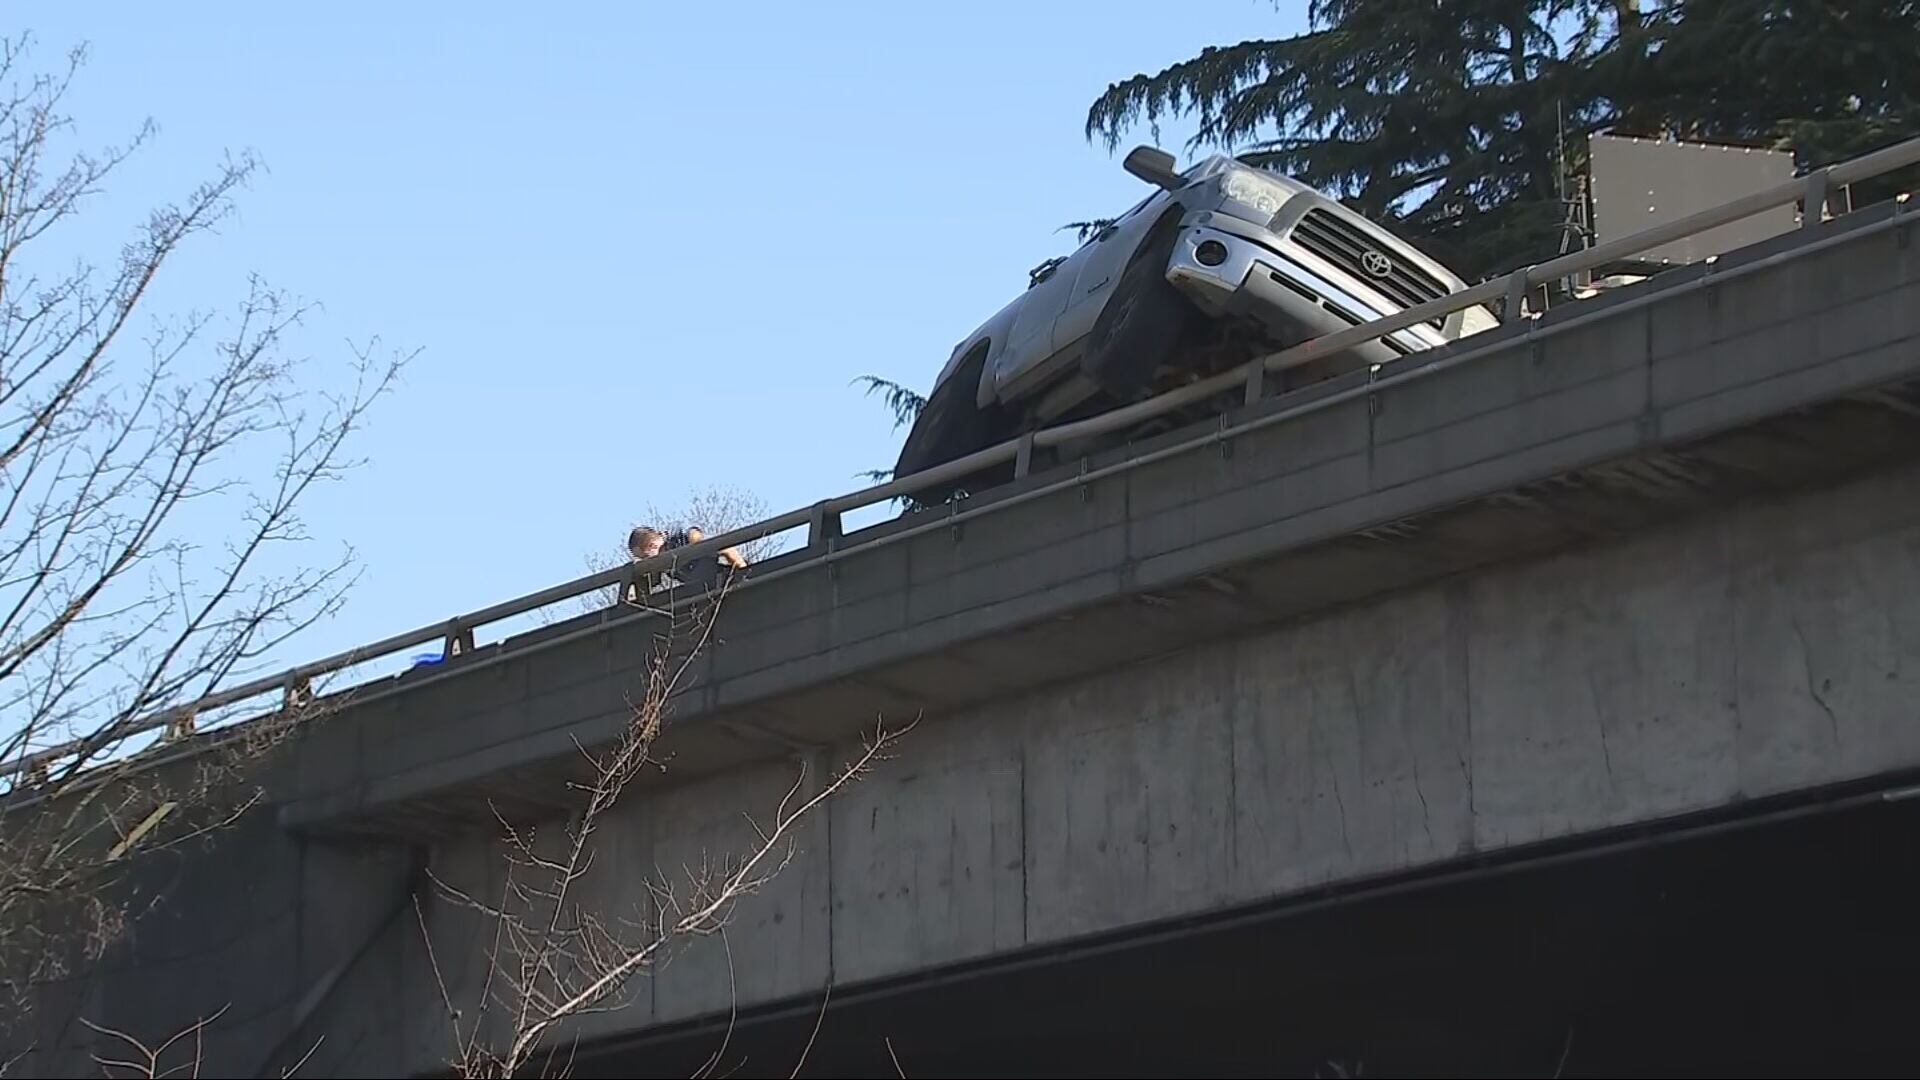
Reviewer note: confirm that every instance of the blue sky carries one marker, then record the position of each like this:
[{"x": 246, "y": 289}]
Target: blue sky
[{"x": 640, "y": 247}]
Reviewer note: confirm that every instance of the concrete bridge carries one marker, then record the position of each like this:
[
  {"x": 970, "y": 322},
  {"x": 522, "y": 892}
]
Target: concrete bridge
[{"x": 1376, "y": 717}]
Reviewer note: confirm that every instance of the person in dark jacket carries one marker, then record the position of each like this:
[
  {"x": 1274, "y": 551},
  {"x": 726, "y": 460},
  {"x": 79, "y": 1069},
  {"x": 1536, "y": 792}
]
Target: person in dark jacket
[{"x": 704, "y": 572}]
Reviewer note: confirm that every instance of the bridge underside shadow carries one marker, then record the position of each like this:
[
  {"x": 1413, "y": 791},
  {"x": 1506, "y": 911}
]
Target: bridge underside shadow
[{"x": 1775, "y": 946}]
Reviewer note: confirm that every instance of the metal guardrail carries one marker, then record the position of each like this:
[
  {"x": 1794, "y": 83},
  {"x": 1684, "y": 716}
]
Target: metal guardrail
[{"x": 822, "y": 519}]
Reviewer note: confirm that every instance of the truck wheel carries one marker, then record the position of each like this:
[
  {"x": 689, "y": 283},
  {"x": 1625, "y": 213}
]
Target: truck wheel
[
  {"x": 1143, "y": 323},
  {"x": 950, "y": 426}
]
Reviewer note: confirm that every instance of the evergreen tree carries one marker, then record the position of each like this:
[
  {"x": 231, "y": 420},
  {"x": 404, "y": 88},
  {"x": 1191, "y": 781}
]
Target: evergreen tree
[
  {"x": 1444, "y": 119},
  {"x": 1439, "y": 118},
  {"x": 1829, "y": 79}
]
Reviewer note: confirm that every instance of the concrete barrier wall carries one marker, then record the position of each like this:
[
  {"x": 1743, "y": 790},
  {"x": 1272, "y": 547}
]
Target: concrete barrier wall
[
  {"x": 953, "y": 616},
  {"x": 1757, "y": 652}
]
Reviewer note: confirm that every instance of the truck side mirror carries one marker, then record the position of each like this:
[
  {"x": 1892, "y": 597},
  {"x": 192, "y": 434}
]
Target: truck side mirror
[{"x": 1155, "y": 166}]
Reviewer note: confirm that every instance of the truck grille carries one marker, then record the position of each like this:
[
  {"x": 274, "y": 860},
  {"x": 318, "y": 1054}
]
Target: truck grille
[{"x": 1342, "y": 243}]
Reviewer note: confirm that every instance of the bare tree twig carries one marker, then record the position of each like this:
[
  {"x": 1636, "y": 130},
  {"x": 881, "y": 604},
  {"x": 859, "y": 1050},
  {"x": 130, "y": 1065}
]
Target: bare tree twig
[
  {"x": 819, "y": 1019},
  {"x": 719, "y": 1054},
  {"x": 304, "y": 1058},
  {"x": 147, "y": 1060}
]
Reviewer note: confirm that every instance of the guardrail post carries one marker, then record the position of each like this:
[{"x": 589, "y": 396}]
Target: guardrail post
[
  {"x": 1814, "y": 201},
  {"x": 1023, "y": 457},
  {"x": 459, "y": 640},
  {"x": 1256, "y": 379},
  {"x": 1517, "y": 286},
  {"x": 823, "y": 526},
  {"x": 296, "y": 694}
]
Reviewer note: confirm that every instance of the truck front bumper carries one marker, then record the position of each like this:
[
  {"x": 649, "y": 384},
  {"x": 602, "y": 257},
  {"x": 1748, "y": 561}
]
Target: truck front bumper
[{"x": 1284, "y": 291}]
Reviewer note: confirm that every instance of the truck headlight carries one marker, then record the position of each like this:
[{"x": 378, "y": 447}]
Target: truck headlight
[{"x": 1250, "y": 188}]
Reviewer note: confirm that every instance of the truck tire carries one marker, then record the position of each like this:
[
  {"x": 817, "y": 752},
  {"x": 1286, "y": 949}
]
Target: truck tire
[
  {"x": 1143, "y": 323},
  {"x": 951, "y": 426}
]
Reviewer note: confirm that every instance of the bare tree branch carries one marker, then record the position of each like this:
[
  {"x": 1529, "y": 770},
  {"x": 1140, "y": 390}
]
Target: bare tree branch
[
  {"x": 553, "y": 956},
  {"x": 152, "y": 549}
]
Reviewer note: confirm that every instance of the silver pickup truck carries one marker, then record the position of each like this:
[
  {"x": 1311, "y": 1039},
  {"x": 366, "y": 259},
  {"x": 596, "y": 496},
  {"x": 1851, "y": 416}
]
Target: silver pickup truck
[{"x": 1220, "y": 263}]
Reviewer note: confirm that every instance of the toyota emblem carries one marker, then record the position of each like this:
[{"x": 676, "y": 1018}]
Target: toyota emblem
[{"x": 1376, "y": 264}]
